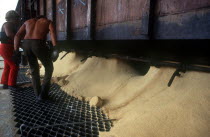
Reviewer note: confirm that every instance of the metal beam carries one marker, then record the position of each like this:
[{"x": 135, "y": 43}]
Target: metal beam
[
  {"x": 91, "y": 19},
  {"x": 38, "y": 8},
  {"x": 151, "y": 24},
  {"x": 24, "y": 15},
  {"x": 89, "y": 29},
  {"x": 54, "y": 12},
  {"x": 68, "y": 20},
  {"x": 45, "y": 7}
]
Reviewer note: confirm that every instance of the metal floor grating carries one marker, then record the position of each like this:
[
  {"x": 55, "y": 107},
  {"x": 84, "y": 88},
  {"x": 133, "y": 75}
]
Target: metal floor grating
[{"x": 60, "y": 109}]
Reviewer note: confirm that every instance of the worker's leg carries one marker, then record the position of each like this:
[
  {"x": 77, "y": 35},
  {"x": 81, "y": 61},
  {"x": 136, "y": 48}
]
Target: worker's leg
[
  {"x": 43, "y": 54},
  {"x": 33, "y": 63},
  {"x": 10, "y": 72},
  {"x": 13, "y": 73},
  {"x": 47, "y": 77}
]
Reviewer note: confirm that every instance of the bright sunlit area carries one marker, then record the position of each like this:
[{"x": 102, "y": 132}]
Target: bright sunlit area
[{"x": 6, "y": 5}]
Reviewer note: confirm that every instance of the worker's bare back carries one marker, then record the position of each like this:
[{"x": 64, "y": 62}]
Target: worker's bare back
[{"x": 37, "y": 28}]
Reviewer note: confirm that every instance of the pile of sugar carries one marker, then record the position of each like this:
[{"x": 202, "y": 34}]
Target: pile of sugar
[{"x": 143, "y": 105}]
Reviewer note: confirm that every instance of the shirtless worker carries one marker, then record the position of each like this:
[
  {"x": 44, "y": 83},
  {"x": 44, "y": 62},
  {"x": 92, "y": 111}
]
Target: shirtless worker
[{"x": 34, "y": 32}]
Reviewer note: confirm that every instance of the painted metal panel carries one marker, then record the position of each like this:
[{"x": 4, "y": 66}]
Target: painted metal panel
[
  {"x": 80, "y": 34},
  {"x": 177, "y": 6},
  {"x": 78, "y": 14},
  {"x": 114, "y": 11},
  {"x": 122, "y": 19},
  {"x": 125, "y": 30},
  {"x": 49, "y": 9},
  {"x": 190, "y": 25},
  {"x": 41, "y": 6},
  {"x": 61, "y": 19}
]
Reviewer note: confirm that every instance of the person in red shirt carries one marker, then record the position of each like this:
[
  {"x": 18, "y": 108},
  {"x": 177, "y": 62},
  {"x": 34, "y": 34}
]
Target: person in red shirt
[{"x": 8, "y": 31}]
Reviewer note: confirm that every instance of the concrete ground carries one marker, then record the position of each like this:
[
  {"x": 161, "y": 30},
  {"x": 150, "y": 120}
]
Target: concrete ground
[{"x": 7, "y": 124}]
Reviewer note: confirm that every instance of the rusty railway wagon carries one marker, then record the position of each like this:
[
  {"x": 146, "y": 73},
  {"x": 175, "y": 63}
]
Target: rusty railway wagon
[{"x": 148, "y": 22}]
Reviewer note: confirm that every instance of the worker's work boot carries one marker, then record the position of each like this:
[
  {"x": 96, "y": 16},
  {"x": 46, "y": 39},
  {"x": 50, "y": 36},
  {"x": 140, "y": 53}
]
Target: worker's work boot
[
  {"x": 39, "y": 99},
  {"x": 5, "y": 86},
  {"x": 44, "y": 92},
  {"x": 43, "y": 96}
]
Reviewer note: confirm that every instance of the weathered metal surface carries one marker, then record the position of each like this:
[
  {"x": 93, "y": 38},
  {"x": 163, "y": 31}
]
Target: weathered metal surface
[
  {"x": 80, "y": 34},
  {"x": 176, "y": 6},
  {"x": 125, "y": 30},
  {"x": 115, "y": 11},
  {"x": 127, "y": 19},
  {"x": 49, "y": 8},
  {"x": 61, "y": 19},
  {"x": 191, "y": 25},
  {"x": 41, "y": 7},
  {"x": 78, "y": 14},
  {"x": 61, "y": 36},
  {"x": 61, "y": 15}
]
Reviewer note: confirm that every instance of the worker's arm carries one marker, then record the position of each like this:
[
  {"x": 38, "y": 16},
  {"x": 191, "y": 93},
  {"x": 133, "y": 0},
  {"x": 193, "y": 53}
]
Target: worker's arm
[
  {"x": 19, "y": 35},
  {"x": 53, "y": 34},
  {"x": 8, "y": 30}
]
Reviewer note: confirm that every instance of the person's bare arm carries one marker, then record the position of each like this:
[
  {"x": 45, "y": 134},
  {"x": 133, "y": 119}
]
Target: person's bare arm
[
  {"x": 19, "y": 35},
  {"x": 53, "y": 34},
  {"x": 8, "y": 30}
]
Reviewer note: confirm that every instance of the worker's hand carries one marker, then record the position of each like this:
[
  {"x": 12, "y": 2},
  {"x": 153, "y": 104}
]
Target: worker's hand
[
  {"x": 16, "y": 57},
  {"x": 55, "y": 53}
]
